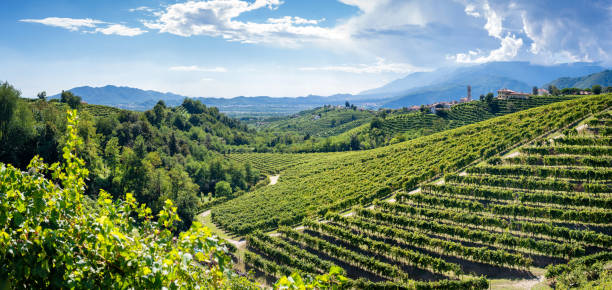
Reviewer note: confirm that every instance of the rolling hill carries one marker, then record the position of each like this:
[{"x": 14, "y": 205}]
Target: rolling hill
[
  {"x": 338, "y": 181},
  {"x": 603, "y": 79}
]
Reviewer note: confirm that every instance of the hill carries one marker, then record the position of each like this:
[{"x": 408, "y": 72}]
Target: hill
[
  {"x": 442, "y": 84},
  {"x": 392, "y": 126},
  {"x": 506, "y": 218},
  {"x": 122, "y": 97},
  {"x": 338, "y": 181},
  {"x": 321, "y": 122},
  {"x": 603, "y": 79}
]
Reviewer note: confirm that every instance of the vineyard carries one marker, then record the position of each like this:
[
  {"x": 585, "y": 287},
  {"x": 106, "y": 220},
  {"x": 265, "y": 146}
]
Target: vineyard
[
  {"x": 416, "y": 124},
  {"x": 540, "y": 205},
  {"x": 321, "y": 122},
  {"x": 272, "y": 163},
  {"x": 338, "y": 181}
]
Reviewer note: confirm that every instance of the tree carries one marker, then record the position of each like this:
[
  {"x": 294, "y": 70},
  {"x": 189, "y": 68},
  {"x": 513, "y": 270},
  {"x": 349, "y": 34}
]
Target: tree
[
  {"x": 489, "y": 98},
  {"x": 482, "y": 97},
  {"x": 596, "y": 89},
  {"x": 42, "y": 95},
  {"x": 223, "y": 188},
  {"x": 355, "y": 144},
  {"x": 71, "y": 99},
  {"x": 424, "y": 109},
  {"x": 534, "y": 91},
  {"x": 347, "y": 104},
  {"x": 8, "y": 103},
  {"x": 553, "y": 90}
]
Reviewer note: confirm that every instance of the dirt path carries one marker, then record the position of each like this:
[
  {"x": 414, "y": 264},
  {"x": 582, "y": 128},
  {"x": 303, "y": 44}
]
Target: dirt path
[
  {"x": 206, "y": 213},
  {"x": 273, "y": 179},
  {"x": 513, "y": 154}
]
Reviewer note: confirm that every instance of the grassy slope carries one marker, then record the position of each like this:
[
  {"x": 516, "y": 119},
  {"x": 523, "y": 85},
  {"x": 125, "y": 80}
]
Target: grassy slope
[
  {"x": 320, "y": 122},
  {"x": 340, "y": 180}
]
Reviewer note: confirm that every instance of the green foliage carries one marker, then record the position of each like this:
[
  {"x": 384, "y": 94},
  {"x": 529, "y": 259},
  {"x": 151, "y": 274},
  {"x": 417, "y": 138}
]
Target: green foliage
[
  {"x": 223, "y": 188},
  {"x": 71, "y": 99},
  {"x": 50, "y": 238},
  {"x": 333, "y": 280},
  {"x": 338, "y": 181},
  {"x": 589, "y": 272},
  {"x": 596, "y": 89}
]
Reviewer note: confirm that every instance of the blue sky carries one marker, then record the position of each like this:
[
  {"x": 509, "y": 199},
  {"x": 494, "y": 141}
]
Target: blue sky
[{"x": 227, "y": 48}]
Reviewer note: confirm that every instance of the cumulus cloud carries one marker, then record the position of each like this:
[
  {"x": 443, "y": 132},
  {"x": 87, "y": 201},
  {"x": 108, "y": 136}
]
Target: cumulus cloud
[
  {"x": 71, "y": 24},
  {"x": 509, "y": 48},
  {"x": 195, "y": 68},
  {"x": 381, "y": 66},
  {"x": 543, "y": 31},
  {"x": 217, "y": 18},
  {"x": 87, "y": 25}
]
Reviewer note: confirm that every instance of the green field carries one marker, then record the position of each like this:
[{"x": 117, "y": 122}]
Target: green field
[{"x": 339, "y": 181}]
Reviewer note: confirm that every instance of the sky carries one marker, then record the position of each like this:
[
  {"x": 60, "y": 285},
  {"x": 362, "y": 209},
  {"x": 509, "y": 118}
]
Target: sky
[{"x": 228, "y": 48}]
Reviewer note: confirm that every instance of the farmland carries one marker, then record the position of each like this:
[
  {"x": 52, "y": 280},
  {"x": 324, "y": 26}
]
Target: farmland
[
  {"x": 501, "y": 218},
  {"x": 338, "y": 181}
]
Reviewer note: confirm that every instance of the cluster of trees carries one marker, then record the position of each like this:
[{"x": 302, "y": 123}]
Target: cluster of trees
[
  {"x": 595, "y": 90},
  {"x": 54, "y": 236},
  {"x": 163, "y": 153}
]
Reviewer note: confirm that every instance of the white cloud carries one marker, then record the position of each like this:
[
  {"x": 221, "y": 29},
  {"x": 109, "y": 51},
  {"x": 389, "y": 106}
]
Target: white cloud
[
  {"x": 119, "y": 29},
  {"x": 86, "y": 25},
  {"x": 509, "y": 49},
  {"x": 216, "y": 18},
  {"x": 294, "y": 20},
  {"x": 379, "y": 67},
  {"x": 142, "y": 9},
  {"x": 71, "y": 24},
  {"x": 195, "y": 68}
]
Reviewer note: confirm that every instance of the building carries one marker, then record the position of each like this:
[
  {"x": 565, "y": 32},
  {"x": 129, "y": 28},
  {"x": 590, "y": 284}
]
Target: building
[
  {"x": 543, "y": 92},
  {"x": 505, "y": 94},
  {"x": 585, "y": 93}
]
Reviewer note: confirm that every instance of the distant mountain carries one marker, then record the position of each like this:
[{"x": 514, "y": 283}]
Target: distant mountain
[
  {"x": 450, "y": 83},
  {"x": 140, "y": 100},
  {"x": 456, "y": 89},
  {"x": 603, "y": 79},
  {"x": 121, "y": 97}
]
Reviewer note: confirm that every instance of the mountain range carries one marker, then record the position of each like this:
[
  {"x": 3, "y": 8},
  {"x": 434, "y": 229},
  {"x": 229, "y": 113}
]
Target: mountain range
[
  {"x": 418, "y": 88},
  {"x": 451, "y": 83}
]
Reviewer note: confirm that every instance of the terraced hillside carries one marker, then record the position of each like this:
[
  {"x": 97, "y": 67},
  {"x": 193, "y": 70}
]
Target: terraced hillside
[
  {"x": 416, "y": 124},
  {"x": 395, "y": 126},
  {"x": 544, "y": 203},
  {"x": 338, "y": 181}
]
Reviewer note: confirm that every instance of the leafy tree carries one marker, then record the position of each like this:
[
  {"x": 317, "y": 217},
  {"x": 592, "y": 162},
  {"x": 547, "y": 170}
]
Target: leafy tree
[
  {"x": 355, "y": 144},
  {"x": 8, "y": 103},
  {"x": 71, "y": 99},
  {"x": 596, "y": 89},
  {"x": 51, "y": 238},
  {"x": 553, "y": 90},
  {"x": 489, "y": 97},
  {"x": 42, "y": 95},
  {"x": 376, "y": 123},
  {"x": 347, "y": 104},
  {"x": 534, "y": 91},
  {"x": 223, "y": 188},
  {"x": 482, "y": 97}
]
